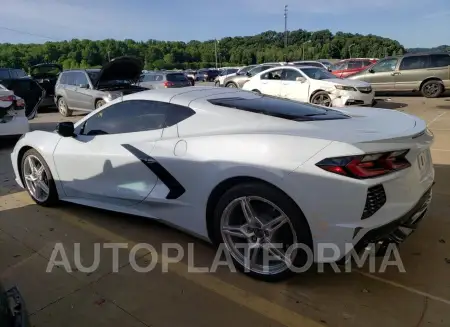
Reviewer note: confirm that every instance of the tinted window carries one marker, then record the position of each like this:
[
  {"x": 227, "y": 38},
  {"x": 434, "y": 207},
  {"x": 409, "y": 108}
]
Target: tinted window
[
  {"x": 149, "y": 78},
  {"x": 80, "y": 78},
  {"x": 273, "y": 74},
  {"x": 19, "y": 73},
  {"x": 313, "y": 64},
  {"x": 259, "y": 69},
  {"x": 355, "y": 64},
  {"x": 317, "y": 73},
  {"x": 176, "y": 77},
  {"x": 135, "y": 116},
  {"x": 4, "y": 73},
  {"x": 414, "y": 62},
  {"x": 93, "y": 74},
  {"x": 439, "y": 60},
  {"x": 68, "y": 78},
  {"x": 281, "y": 108},
  {"x": 387, "y": 65},
  {"x": 367, "y": 63},
  {"x": 340, "y": 66},
  {"x": 290, "y": 75}
]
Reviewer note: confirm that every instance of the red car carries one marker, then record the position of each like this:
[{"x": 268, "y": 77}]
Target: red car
[{"x": 349, "y": 67}]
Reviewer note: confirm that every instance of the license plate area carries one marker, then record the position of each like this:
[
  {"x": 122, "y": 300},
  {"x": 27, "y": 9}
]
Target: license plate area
[{"x": 423, "y": 160}]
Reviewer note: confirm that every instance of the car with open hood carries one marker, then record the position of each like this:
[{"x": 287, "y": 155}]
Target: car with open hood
[
  {"x": 46, "y": 74},
  {"x": 89, "y": 89}
]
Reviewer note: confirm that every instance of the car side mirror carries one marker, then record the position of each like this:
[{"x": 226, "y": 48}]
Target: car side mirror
[
  {"x": 300, "y": 79},
  {"x": 330, "y": 70},
  {"x": 83, "y": 86},
  {"x": 248, "y": 74},
  {"x": 371, "y": 71},
  {"x": 65, "y": 129}
]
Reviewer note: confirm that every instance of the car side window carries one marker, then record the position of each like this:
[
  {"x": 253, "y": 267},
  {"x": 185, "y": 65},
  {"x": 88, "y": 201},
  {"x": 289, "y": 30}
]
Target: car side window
[
  {"x": 366, "y": 63},
  {"x": 70, "y": 78},
  {"x": 272, "y": 75},
  {"x": 355, "y": 64},
  {"x": 135, "y": 116},
  {"x": 439, "y": 60},
  {"x": 387, "y": 65},
  {"x": 341, "y": 66},
  {"x": 414, "y": 62},
  {"x": 20, "y": 73},
  {"x": 80, "y": 79},
  {"x": 290, "y": 75}
]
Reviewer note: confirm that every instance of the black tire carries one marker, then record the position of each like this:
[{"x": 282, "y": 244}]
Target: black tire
[
  {"x": 217, "y": 84},
  {"x": 99, "y": 103},
  {"x": 432, "y": 89},
  {"x": 232, "y": 85},
  {"x": 63, "y": 108},
  {"x": 256, "y": 91},
  {"x": 316, "y": 97},
  {"x": 286, "y": 204},
  {"x": 53, "y": 198}
]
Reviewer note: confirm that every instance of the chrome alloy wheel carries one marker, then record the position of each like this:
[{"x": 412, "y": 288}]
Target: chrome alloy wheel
[
  {"x": 258, "y": 235},
  {"x": 62, "y": 107},
  {"x": 36, "y": 178}
]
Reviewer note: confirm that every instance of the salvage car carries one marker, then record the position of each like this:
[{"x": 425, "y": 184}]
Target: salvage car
[
  {"x": 46, "y": 75},
  {"x": 88, "y": 89},
  {"x": 428, "y": 73},
  {"x": 311, "y": 84},
  {"x": 261, "y": 175},
  {"x": 13, "y": 119},
  {"x": 23, "y": 86},
  {"x": 236, "y": 81}
]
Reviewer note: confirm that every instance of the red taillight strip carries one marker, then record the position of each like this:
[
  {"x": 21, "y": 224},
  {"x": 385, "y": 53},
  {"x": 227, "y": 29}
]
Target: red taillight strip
[{"x": 358, "y": 167}]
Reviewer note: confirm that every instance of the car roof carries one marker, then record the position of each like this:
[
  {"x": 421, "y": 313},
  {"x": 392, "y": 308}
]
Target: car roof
[{"x": 185, "y": 95}]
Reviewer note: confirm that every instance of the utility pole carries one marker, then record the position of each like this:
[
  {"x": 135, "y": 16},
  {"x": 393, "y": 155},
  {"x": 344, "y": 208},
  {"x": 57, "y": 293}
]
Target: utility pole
[
  {"x": 215, "y": 49},
  {"x": 350, "y": 50},
  {"x": 109, "y": 56},
  {"x": 285, "y": 26}
]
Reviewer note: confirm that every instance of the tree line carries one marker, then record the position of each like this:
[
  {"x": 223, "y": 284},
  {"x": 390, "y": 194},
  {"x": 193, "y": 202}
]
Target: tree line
[{"x": 231, "y": 51}]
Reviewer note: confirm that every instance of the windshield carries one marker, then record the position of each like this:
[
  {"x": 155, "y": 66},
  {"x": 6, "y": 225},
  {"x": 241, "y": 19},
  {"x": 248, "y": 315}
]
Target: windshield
[
  {"x": 94, "y": 74},
  {"x": 45, "y": 70},
  {"x": 317, "y": 73},
  {"x": 179, "y": 77}
]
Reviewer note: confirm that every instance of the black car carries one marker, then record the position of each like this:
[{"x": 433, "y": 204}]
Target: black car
[
  {"x": 207, "y": 75},
  {"x": 13, "y": 312},
  {"x": 23, "y": 86},
  {"x": 46, "y": 75}
]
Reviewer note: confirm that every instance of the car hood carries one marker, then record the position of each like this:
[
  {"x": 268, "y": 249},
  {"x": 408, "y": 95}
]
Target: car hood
[
  {"x": 124, "y": 68},
  {"x": 347, "y": 82},
  {"x": 45, "y": 70}
]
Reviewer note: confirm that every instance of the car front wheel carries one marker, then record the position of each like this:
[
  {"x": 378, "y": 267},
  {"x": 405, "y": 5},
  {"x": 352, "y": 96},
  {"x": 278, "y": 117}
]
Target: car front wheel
[
  {"x": 38, "y": 179},
  {"x": 263, "y": 230}
]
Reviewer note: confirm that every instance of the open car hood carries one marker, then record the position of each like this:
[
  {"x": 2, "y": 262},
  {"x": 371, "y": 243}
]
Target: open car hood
[
  {"x": 124, "y": 68},
  {"x": 45, "y": 70}
]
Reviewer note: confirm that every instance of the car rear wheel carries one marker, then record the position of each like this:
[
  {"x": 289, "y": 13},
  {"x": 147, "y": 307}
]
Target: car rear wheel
[
  {"x": 321, "y": 98},
  {"x": 63, "y": 108},
  {"x": 256, "y": 91},
  {"x": 38, "y": 179},
  {"x": 99, "y": 103},
  {"x": 432, "y": 89},
  {"x": 263, "y": 230},
  {"x": 233, "y": 85}
]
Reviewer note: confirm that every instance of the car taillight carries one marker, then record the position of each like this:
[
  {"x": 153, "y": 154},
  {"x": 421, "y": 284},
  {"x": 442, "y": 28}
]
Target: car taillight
[
  {"x": 367, "y": 166},
  {"x": 8, "y": 98},
  {"x": 168, "y": 84},
  {"x": 20, "y": 103}
]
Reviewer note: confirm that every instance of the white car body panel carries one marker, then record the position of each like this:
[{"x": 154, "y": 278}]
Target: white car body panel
[
  {"x": 14, "y": 122},
  {"x": 302, "y": 91},
  {"x": 219, "y": 143}
]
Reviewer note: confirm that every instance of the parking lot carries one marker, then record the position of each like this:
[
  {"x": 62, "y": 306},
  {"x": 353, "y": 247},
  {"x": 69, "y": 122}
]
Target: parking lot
[{"x": 179, "y": 297}]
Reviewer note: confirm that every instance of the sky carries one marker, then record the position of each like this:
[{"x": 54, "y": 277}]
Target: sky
[{"x": 414, "y": 23}]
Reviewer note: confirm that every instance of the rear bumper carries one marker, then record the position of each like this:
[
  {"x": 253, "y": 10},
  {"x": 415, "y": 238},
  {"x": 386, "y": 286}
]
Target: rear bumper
[
  {"x": 17, "y": 126},
  {"x": 377, "y": 240}
]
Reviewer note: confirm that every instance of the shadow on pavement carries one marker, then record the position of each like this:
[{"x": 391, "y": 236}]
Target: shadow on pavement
[{"x": 384, "y": 104}]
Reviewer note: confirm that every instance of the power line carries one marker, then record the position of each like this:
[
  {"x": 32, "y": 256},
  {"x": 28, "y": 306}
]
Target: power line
[{"x": 27, "y": 33}]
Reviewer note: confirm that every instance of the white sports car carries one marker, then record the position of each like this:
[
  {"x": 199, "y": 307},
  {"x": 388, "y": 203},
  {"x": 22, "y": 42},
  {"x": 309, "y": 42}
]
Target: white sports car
[
  {"x": 256, "y": 173},
  {"x": 311, "y": 84}
]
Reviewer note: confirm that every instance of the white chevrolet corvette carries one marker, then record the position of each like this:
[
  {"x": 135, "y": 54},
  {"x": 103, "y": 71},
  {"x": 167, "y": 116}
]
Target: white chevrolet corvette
[{"x": 256, "y": 173}]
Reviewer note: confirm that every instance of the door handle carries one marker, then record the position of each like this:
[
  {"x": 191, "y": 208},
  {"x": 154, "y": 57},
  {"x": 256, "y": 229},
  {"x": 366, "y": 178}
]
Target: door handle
[{"x": 395, "y": 73}]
